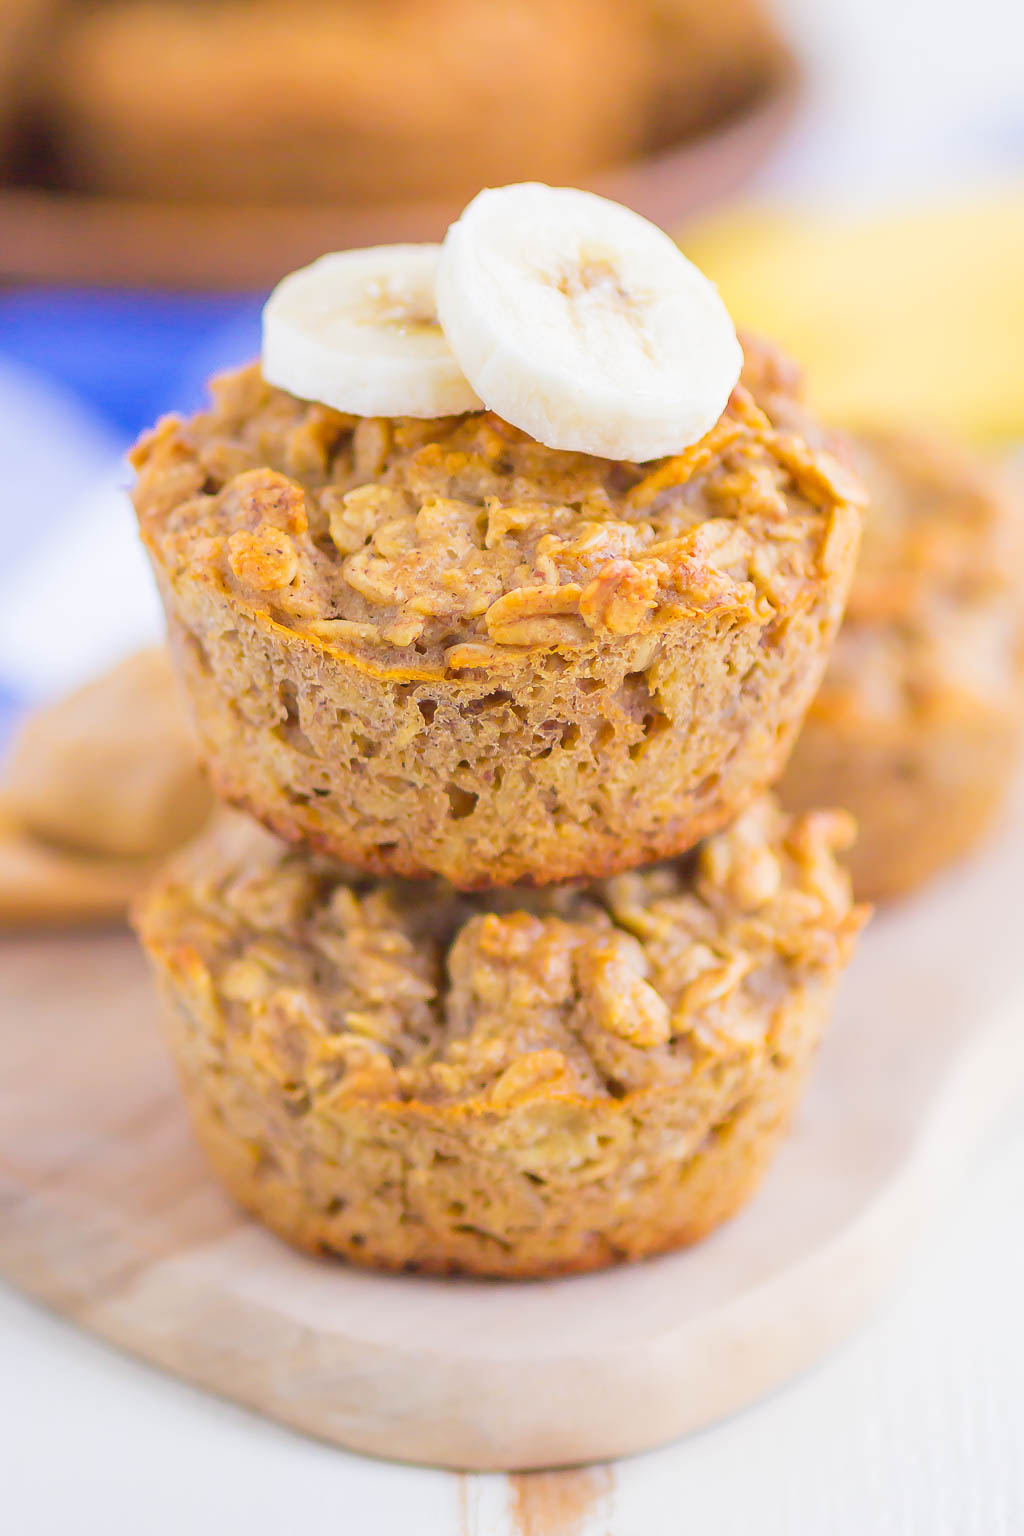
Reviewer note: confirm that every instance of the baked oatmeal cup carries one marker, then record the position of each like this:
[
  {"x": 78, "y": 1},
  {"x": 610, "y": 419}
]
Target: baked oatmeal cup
[
  {"x": 437, "y": 647},
  {"x": 917, "y": 728},
  {"x": 24, "y": 36},
  {"x": 518, "y": 1084},
  {"x": 316, "y": 101}
]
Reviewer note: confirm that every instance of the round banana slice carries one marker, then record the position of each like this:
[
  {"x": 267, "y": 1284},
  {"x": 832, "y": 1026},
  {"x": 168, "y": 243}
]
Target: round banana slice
[
  {"x": 583, "y": 324},
  {"x": 358, "y": 331}
]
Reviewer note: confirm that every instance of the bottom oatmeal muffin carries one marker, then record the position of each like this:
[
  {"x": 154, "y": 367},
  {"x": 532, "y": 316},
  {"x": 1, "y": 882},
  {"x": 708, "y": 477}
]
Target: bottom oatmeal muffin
[
  {"x": 514, "y": 1084},
  {"x": 917, "y": 727}
]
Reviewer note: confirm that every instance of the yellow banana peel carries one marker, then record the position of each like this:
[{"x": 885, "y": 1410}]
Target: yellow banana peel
[{"x": 905, "y": 318}]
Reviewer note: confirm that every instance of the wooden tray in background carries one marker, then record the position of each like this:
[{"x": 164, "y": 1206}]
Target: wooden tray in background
[{"x": 68, "y": 237}]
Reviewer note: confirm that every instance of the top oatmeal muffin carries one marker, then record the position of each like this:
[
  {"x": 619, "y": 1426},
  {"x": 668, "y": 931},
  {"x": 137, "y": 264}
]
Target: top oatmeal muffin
[{"x": 439, "y": 647}]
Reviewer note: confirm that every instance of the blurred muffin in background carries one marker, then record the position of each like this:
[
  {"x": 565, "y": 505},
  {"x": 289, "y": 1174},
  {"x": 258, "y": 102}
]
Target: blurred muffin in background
[
  {"x": 97, "y": 787},
  {"x": 249, "y": 100},
  {"x": 110, "y": 768},
  {"x": 369, "y": 101},
  {"x": 917, "y": 728},
  {"x": 22, "y": 29},
  {"x": 708, "y": 58}
]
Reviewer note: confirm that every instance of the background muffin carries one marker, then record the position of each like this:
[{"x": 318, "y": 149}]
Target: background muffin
[
  {"x": 24, "y": 28},
  {"x": 438, "y": 647},
  {"x": 509, "y": 1084},
  {"x": 245, "y": 100},
  {"x": 917, "y": 727},
  {"x": 110, "y": 769},
  {"x": 97, "y": 787},
  {"x": 708, "y": 60}
]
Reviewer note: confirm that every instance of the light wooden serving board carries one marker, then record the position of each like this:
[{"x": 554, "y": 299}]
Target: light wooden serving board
[{"x": 107, "y": 1213}]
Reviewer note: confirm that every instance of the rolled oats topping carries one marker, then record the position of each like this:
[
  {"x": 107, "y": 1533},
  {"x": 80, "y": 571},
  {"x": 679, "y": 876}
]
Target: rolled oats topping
[{"x": 431, "y": 536}]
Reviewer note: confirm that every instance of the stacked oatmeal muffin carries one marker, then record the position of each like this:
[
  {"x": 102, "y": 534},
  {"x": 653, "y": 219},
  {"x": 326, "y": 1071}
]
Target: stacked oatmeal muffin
[{"x": 499, "y": 600}]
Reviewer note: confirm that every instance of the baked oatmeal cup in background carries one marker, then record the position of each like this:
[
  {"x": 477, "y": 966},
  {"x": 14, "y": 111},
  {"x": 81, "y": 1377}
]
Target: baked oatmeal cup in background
[
  {"x": 96, "y": 789},
  {"x": 26, "y": 29},
  {"x": 918, "y": 727},
  {"x": 350, "y": 105},
  {"x": 514, "y": 1084},
  {"x": 443, "y": 646},
  {"x": 919, "y": 724},
  {"x": 350, "y": 110}
]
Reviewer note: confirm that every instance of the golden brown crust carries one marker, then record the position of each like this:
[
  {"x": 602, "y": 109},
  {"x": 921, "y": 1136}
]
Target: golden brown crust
[
  {"x": 917, "y": 727},
  {"x": 513, "y": 1084},
  {"x": 616, "y": 854},
  {"x": 674, "y": 1208},
  {"x": 440, "y": 648}
]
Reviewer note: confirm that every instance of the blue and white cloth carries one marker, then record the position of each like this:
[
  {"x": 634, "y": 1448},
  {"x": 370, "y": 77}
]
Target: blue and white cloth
[{"x": 81, "y": 373}]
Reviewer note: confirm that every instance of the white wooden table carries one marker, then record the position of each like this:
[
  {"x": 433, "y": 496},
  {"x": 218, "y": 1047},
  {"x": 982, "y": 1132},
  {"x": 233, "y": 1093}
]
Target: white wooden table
[{"x": 917, "y": 1425}]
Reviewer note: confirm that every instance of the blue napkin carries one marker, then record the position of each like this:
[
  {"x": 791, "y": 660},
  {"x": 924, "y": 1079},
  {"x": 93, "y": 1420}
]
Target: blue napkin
[
  {"x": 130, "y": 356},
  {"x": 82, "y": 372}
]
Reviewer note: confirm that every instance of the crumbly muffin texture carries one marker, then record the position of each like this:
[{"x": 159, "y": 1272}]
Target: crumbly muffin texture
[
  {"x": 511, "y": 1084},
  {"x": 917, "y": 726},
  {"x": 440, "y": 647}
]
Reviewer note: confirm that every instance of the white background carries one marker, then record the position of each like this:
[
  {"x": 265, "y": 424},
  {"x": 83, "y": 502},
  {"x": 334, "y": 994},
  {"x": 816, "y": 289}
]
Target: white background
[{"x": 916, "y": 1428}]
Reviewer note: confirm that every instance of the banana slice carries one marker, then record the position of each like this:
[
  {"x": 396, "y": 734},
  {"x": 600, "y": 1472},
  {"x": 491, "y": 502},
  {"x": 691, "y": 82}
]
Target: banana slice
[
  {"x": 583, "y": 324},
  {"x": 358, "y": 331}
]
